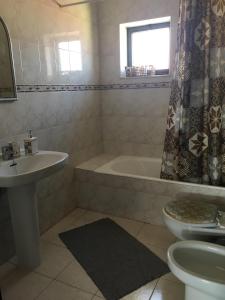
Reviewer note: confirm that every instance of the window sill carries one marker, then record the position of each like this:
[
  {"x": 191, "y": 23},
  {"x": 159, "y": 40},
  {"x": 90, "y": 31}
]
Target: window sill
[{"x": 143, "y": 77}]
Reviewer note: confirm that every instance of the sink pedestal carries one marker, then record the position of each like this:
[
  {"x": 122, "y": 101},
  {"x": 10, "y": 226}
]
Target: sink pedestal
[
  {"x": 24, "y": 216},
  {"x": 20, "y": 179}
]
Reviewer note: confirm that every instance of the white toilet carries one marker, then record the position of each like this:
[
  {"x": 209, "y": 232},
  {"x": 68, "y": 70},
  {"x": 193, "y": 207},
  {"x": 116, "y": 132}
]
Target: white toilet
[
  {"x": 201, "y": 267},
  {"x": 194, "y": 220}
]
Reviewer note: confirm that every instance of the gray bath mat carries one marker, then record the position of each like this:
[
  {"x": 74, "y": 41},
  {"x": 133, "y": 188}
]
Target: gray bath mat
[{"x": 115, "y": 260}]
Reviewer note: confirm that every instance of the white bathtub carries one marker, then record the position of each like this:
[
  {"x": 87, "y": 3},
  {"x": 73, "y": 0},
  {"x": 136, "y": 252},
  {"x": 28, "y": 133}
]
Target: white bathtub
[
  {"x": 130, "y": 187},
  {"x": 133, "y": 166}
]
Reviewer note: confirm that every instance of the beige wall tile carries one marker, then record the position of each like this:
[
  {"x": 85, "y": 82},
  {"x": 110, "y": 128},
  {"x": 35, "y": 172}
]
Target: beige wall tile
[
  {"x": 63, "y": 121},
  {"x": 133, "y": 120}
]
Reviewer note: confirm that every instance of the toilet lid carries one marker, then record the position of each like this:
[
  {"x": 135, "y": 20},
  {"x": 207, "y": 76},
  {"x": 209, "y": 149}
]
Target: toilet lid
[{"x": 196, "y": 212}]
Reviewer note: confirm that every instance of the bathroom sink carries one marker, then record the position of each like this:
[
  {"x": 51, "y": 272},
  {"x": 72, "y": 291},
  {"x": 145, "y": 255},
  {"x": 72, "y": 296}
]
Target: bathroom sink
[
  {"x": 20, "y": 178},
  {"x": 31, "y": 168}
]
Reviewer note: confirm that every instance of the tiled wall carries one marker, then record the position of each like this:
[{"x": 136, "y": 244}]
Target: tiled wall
[
  {"x": 63, "y": 121},
  {"x": 133, "y": 120}
]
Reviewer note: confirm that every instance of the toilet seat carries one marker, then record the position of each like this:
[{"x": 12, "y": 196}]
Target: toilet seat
[{"x": 196, "y": 213}]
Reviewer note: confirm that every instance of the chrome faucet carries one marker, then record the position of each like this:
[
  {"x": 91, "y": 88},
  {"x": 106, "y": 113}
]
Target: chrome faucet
[
  {"x": 7, "y": 152},
  {"x": 10, "y": 152},
  {"x": 14, "y": 163}
]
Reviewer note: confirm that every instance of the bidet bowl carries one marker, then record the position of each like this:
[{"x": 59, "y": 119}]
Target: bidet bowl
[{"x": 201, "y": 267}]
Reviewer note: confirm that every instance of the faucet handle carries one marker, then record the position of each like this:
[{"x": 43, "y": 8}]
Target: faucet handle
[
  {"x": 30, "y": 135},
  {"x": 15, "y": 149},
  {"x": 7, "y": 152}
]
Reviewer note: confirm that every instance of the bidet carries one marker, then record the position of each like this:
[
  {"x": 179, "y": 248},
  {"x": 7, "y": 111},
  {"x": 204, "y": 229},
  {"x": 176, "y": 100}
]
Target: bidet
[{"x": 201, "y": 267}]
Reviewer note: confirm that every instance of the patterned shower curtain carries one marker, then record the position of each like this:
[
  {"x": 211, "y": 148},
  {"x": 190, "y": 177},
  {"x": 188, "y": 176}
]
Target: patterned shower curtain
[{"x": 194, "y": 149}]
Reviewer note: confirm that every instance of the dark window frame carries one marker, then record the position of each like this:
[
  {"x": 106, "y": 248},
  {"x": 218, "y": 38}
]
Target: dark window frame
[{"x": 131, "y": 30}]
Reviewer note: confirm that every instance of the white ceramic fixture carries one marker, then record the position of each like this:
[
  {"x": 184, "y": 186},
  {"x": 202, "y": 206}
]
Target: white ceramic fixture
[
  {"x": 190, "y": 231},
  {"x": 20, "y": 179},
  {"x": 201, "y": 267},
  {"x": 194, "y": 220},
  {"x": 66, "y": 3}
]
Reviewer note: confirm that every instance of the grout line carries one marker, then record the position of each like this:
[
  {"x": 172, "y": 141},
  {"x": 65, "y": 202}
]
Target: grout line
[
  {"x": 96, "y": 293},
  {"x": 44, "y": 289},
  {"x": 53, "y": 243},
  {"x": 70, "y": 263},
  {"x": 75, "y": 287},
  {"x": 119, "y": 217},
  {"x": 54, "y": 278},
  {"x": 140, "y": 229},
  {"x": 43, "y": 275},
  {"x": 154, "y": 289},
  {"x": 98, "y": 297}
]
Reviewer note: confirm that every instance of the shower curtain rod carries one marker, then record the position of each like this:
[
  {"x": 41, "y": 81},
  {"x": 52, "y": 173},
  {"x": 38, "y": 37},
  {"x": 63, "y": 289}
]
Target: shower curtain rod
[{"x": 75, "y": 3}]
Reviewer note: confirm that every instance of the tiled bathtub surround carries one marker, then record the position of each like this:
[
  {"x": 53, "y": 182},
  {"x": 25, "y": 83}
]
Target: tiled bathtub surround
[
  {"x": 133, "y": 120},
  {"x": 65, "y": 121},
  {"x": 135, "y": 198}
]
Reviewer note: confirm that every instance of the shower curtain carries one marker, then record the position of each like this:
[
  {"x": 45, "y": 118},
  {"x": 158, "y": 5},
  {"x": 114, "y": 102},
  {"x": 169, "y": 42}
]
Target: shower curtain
[{"x": 194, "y": 149}]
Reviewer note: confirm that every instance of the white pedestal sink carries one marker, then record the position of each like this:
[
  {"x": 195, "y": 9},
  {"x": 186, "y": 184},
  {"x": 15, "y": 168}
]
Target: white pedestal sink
[{"x": 21, "y": 183}]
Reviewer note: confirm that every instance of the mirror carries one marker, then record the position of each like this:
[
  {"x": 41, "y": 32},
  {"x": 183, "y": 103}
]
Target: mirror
[{"x": 7, "y": 77}]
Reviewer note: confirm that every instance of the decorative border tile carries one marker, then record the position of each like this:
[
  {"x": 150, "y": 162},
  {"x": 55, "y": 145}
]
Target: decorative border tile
[
  {"x": 89, "y": 87},
  {"x": 142, "y": 85},
  {"x": 55, "y": 88}
]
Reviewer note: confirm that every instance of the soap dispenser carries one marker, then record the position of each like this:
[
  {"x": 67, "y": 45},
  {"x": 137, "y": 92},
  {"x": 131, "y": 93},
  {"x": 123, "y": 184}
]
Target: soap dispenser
[{"x": 30, "y": 144}]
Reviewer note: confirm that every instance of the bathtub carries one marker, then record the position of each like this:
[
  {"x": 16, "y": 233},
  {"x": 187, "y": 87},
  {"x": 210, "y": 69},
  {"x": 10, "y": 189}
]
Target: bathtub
[
  {"x": 130, "y": 187},
  {"x": 133, "y": 166}
]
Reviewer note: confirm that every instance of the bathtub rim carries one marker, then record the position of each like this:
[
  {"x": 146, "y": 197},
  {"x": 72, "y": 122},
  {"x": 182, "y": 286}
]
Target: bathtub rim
[
  {"x": 107, "y": 167},
  {"x": 127, "y": 175}
]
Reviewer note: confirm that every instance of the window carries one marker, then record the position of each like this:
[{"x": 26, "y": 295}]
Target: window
[
  {"x": 70, "y": 56},
  {"x": 145, "y": 45}
]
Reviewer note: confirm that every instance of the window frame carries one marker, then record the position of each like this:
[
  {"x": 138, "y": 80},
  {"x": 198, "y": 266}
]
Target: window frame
[{"x": 131, "y": 30}]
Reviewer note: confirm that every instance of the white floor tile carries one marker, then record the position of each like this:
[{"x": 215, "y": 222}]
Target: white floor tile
[
  {"x": 53, "y": 259},
  {"x": 6, "y": 270},
  {"x": 23, "y": 285},
  {"x": 61, "y": 277},
  {"x": 59, "y": 291},
  {"x": 52, "y": 235},
  {"x": 76, "y": 276},
  {"x": 168, "y": 290},
  {"x": 157, "y": 236}
]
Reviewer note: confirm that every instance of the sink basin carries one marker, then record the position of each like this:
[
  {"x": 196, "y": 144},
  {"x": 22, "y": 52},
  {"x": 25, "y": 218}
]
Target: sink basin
[
  {"x": 20, "y": 180},
  {"x": 31, "y": 168}
]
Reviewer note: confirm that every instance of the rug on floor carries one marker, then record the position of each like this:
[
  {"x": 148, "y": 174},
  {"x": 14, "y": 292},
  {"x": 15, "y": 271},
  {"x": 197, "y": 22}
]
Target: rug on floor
[{"x": 117, "y": 262}]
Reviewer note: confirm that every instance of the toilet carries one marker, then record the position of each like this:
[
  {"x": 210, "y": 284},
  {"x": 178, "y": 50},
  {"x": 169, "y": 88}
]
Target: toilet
[
  {"x": 201, "y": 267},
  {"x": 194, "y": 220}
]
